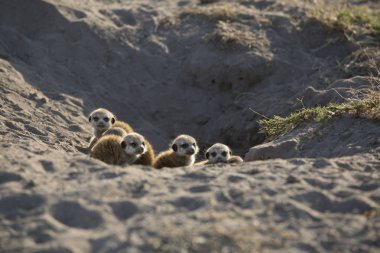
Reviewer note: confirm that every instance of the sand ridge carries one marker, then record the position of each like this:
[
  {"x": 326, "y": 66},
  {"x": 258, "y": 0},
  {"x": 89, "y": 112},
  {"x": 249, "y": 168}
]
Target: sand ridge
[{"x": 318, "y": 204}]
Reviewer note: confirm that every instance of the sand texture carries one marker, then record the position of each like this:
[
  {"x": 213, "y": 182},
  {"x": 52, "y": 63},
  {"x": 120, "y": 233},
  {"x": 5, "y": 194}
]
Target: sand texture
[{"x": 173, "y": 67}]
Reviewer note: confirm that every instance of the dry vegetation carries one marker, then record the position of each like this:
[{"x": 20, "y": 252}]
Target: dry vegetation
[
  {"x": 367, "y": 107},
  {"x": 214, "y": 12},
  {"x": 228, "y": 36},
  {"x": 362, "y": 24}
]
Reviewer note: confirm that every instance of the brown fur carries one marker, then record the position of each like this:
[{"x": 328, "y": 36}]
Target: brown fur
[
  {"x": 118, "y": 131},
  {"x": 171, "y": 159},
  {"x": 108, "y": 150},
  {"x": 148, "y": 157},
  {"x": 127, "y": 128}
]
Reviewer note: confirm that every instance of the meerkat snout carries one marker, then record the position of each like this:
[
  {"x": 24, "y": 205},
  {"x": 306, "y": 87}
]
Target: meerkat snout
[{"x": 134, "y": 144}]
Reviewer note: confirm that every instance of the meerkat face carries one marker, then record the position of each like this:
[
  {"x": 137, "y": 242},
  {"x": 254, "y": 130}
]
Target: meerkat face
[
  {"x": 134, "y": 144},
  {"x": 101, "y": 119},
  {"x": 218, "y": 153},
  {"x": 185, "y": 145}
]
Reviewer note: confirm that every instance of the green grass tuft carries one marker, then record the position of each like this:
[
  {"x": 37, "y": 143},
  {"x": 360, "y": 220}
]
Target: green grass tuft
[
  {"x": 368, "y": 107},
  {"x": 360, "y": 18},
  {"x": 352, "y": 21}
]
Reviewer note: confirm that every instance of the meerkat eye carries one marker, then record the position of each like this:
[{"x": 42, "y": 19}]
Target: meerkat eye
[
  {"x": 185, "y": 145},
  {"x": 133, "y": 144},
  {"x": 106, "y": 119},
  {"x": 96, "y": 118},
  {"x": 143, "y": 143},
  {"x": 213, "y": 154},
  {"x": 224, "y": 153}
]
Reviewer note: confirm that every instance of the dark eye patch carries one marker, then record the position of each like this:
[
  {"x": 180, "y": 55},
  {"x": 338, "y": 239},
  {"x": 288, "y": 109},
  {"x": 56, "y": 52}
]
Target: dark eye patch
[
  {"x": 185, "y": 145},
  {"x": 213, "y": 154},
  {"x": 96, "y": 118},
  {"x": 106, "y": 119},
  {"x": 224, "y": 153},
  {"x": 143, "y": 143}
]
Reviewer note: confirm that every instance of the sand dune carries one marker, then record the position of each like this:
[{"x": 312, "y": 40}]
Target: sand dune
[{"x": 172, "y": 67}]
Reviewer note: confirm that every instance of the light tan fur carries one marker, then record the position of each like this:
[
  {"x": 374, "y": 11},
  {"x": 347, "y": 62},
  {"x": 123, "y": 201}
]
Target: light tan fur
[
  {"x": 127, "y": 128},
  {"x": 115, "y": 131},
  {"x": 181, "y": 153}
]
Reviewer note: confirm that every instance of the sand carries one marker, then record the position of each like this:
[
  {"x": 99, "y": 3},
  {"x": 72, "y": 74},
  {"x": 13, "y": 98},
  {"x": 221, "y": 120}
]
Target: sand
[{"x": 167, "y": 68}]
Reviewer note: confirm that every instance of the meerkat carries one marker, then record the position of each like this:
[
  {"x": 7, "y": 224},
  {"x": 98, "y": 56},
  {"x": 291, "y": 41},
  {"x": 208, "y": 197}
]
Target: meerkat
[
  {"x": 181, "y": 153},
  {"x": 101, "y": 120},
  {"x": 148, "y": 157},
  {"x": 145, "y": 159},
  {"x": 220, "y": 153},
  {"x": 117, "y": 150}
]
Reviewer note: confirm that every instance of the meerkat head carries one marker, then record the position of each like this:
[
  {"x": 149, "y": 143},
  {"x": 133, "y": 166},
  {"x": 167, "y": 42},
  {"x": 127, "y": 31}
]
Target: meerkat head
[
  {"x": 134, "y": 144},
  {"x": 185, "y": 145},
  {"x": 218, "y": 153},
  {"x": 101, "y": 119}
]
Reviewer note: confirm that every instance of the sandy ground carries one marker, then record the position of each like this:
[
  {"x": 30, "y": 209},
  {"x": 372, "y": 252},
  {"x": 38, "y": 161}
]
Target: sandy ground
[{"x": 171, "y": 67}]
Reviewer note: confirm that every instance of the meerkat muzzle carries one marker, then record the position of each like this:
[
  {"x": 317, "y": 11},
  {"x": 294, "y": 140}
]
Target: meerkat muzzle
[
  {"x": 140, "y": 150},
  {"x": 101, "y": 125}
]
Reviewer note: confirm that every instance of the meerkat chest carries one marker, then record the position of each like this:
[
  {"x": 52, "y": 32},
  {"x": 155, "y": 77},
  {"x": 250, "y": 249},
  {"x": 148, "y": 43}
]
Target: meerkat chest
[{"x": 191, "y": 160}]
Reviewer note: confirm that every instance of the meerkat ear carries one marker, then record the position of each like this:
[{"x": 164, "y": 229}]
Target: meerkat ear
[
  {"x": 89, "y": 118},
  {"x": 113, "y": 120},
  {"x": 207, "y": 155},
  {"x": 123, "y": 144},
  {"x": 174, "y": 147}
]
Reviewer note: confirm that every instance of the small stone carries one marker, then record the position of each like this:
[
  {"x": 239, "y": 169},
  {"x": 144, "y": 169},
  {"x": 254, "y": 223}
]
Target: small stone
[{"x": 292, "y": 180}]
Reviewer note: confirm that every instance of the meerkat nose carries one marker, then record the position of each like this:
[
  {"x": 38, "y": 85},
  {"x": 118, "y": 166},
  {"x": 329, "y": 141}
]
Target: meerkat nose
[
  {"x": 191, "y": 151},
  {"x": 140, "y": 150}
]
